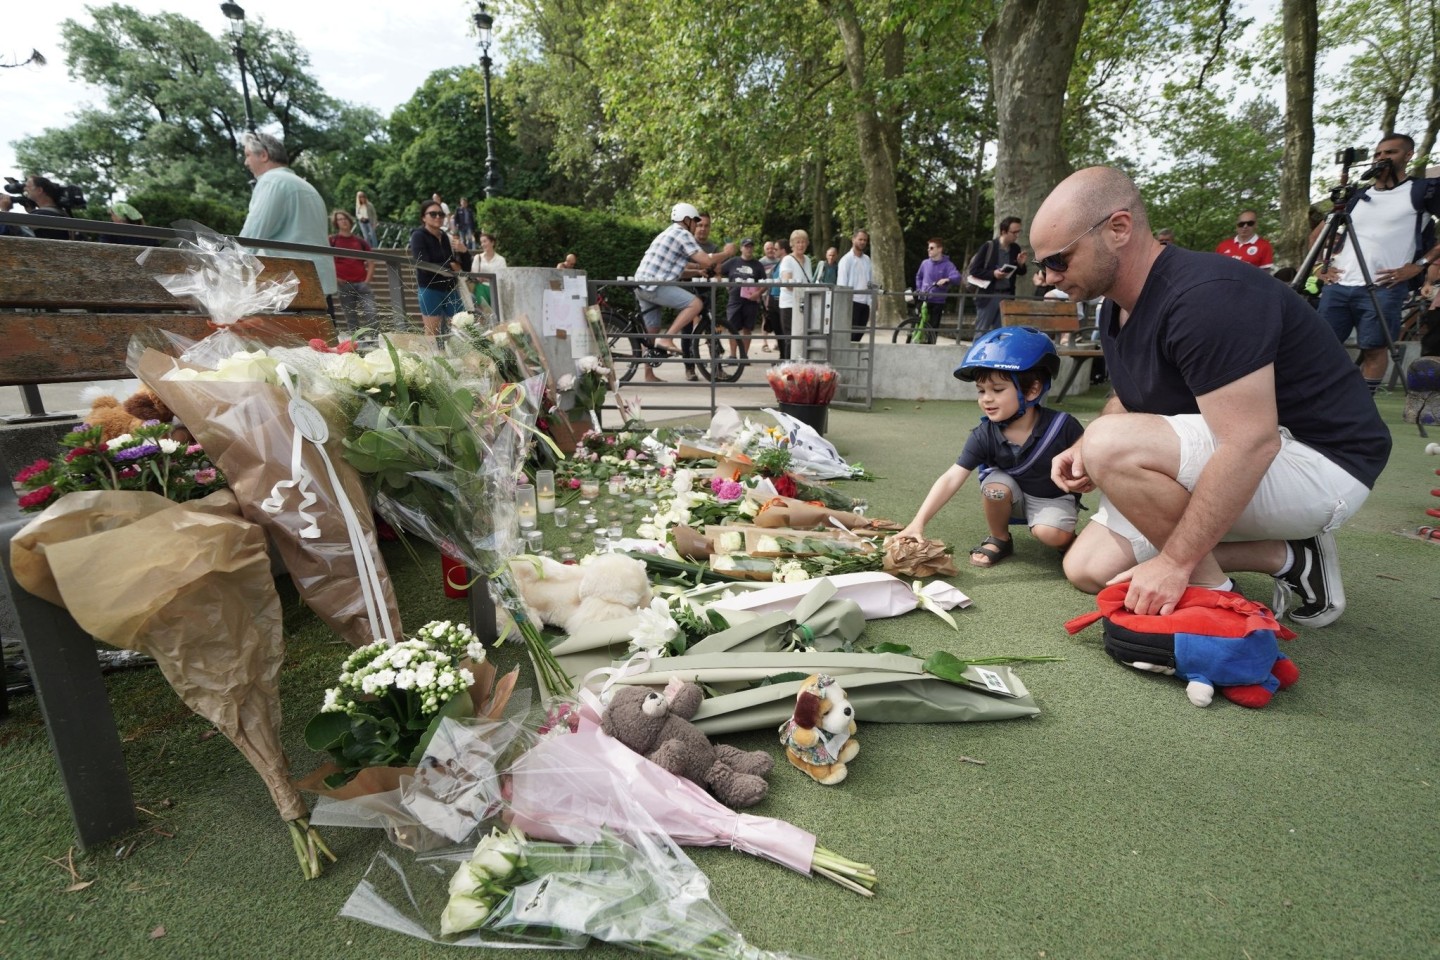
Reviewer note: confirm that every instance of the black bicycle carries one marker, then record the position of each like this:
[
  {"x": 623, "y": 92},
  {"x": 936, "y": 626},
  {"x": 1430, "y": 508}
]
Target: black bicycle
[{"x": 631, "y": 346}]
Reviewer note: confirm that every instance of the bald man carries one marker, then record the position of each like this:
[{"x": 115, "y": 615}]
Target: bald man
[{"x": 1239, "y": 436}]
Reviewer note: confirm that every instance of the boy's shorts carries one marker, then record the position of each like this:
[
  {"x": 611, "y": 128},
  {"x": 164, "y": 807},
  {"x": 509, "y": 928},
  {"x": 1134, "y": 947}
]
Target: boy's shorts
[
  {"x": 1060, "y": 512},
  {"x": 1303, "y": 494}
]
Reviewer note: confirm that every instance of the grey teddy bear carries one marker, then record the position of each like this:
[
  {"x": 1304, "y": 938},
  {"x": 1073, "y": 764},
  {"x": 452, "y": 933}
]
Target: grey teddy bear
[{"x": 660, "y": 730}]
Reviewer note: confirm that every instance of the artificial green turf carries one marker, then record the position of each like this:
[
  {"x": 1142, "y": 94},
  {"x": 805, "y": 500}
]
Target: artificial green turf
[{"x": 1121, "y": 822}]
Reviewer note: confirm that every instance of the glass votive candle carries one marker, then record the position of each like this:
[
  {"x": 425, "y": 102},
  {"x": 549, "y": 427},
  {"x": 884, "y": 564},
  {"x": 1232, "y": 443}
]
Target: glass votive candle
[
  {"x": 527, "y": 523},
  {"x": 602, "y": 542},
  {"x": 617, "y": 532},
  {"x": 534, "y": 541},
  {"x": 561, "y": 517},
  {"x": 576, "y": 536},
  {"x": 617, "y": 486},
  {"x": 545, "y": 490},
  {"x": 525, "y": 502},
  {"x": 590, "y": 488},
  {"x": 567, "y": 556}
]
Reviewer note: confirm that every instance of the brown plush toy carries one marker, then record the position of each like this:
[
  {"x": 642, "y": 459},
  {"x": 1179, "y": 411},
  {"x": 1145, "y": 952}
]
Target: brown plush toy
[
  {"x": 115, "y": 418},
  {"x": 657, "y": 726}
]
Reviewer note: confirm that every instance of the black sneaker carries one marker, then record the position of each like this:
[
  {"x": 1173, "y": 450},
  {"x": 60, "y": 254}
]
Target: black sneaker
[{"x": 1311, "y": 590}]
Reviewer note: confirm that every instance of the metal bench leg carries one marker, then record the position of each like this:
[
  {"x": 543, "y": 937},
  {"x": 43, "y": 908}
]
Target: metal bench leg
[
  {"x": 1075, "y": 364},
  {"x": 71, "y": 692}
]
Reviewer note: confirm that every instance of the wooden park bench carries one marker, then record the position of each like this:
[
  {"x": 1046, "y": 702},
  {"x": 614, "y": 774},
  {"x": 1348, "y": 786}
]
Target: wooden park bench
[
  {"x": 67, "y": 312},
  {"x": 1060, "y": 321}
]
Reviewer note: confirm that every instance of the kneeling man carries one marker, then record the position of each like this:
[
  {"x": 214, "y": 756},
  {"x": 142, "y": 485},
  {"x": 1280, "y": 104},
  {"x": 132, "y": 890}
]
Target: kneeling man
[{"x": 1239, "y": 436}]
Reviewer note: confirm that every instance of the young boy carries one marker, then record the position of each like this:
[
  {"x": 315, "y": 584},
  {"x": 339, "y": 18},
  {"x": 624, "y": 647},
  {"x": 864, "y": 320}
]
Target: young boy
[{"x": 1012, "y": 368}]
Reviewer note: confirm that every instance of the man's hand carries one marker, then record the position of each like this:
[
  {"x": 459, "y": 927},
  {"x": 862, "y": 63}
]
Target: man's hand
[
  {"x": 1401, "y": 274},
  {"x": 1328, "y": 274},
  {"x": 1068, "y": 471},
  {"x": 1155, "y": 586},
  {"x": 1022, "y": 259}
]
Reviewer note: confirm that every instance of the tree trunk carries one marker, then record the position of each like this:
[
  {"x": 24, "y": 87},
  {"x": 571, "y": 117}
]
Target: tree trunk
[
  {"x": 1031, "y": 47},
  {"x": 1301, "y": 30},
  {"x": 1425, "y": 155},
  {"x": 877, "y": 130}
]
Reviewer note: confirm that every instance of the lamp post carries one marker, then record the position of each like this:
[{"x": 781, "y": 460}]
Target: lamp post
[
  {"x": 483, "y": 22},
  {"x": 236, "y": 15}
]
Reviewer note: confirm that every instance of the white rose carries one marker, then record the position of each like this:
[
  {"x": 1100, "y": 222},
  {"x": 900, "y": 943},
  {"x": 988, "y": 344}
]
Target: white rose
[
  {"x": 463, "y": 913},
  {"x": 496, "y": 855},
  {"x": 516, "y": 329},
  {"x": 587, "y": 363},
  {"x": 501, "y": 338},
  {"x": 684, "y": 481},
  {"x": 254, "y": 366},
  {"x": 353, "y": 370},
  {"x": 567, "y": 382},
  {"x": 462, "y": 319}
]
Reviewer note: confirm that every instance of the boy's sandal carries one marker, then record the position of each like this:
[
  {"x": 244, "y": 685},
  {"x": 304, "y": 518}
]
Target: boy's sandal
[{"x": 993, "y": 549}]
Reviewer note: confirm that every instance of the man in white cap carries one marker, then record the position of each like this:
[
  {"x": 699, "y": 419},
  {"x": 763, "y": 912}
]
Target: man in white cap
[{"x": 665, "y": 261}]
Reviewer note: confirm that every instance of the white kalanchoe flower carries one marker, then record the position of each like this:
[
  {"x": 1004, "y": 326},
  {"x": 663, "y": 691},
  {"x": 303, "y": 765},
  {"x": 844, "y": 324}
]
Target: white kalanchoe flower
[
  {"x": 656, "y": 627},
  {"x": 566, "y": 382}
]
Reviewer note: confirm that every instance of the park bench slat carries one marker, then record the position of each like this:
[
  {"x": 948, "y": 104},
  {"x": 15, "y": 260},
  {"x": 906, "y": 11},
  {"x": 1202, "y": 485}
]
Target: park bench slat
[
  {"x": 75, "y": 274},
  {"x": 38, "y": 348}
]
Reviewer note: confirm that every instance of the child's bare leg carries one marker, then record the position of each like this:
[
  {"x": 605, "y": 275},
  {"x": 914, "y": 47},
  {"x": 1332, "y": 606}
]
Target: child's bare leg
[
  {"x": 1053, "y": 536},
  {"x": 997, "y": 500}
]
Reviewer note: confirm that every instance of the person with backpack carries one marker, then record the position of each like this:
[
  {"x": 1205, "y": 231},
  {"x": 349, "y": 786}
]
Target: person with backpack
[
  {"x": 993, "y": 270},
  {"x": 1392, "y": 221},
  {"x": 1012, "y": 369}
]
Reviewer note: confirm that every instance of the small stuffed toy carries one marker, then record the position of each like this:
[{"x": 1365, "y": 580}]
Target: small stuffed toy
[
  {"x": 657, "y": 726},
  {"x": 1215, "y": 639},
  {"x": 115, "y": 417},
  {"x": 819, "y": 737},
  {"x": 609, "y": 587}
]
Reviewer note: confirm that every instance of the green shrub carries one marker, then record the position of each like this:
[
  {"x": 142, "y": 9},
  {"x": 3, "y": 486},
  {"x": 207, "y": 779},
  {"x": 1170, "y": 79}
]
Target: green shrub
[
  {"x": 161, "y": 209},
  {"x": 532, "y": 234}
]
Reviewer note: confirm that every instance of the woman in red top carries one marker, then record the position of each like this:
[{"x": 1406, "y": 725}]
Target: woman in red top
[{"x": 354, "y": 276}]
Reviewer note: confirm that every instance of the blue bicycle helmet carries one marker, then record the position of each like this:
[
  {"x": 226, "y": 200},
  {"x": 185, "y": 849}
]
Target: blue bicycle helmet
[{"x": 1012, "y": 350}]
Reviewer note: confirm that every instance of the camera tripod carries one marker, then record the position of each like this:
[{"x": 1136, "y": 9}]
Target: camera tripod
[{"x": 1326, "y": 243}]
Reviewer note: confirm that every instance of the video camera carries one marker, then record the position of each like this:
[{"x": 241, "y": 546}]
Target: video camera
[
  {"x": 67, "y": 198},
  {"x": 1353, "y": 157}
]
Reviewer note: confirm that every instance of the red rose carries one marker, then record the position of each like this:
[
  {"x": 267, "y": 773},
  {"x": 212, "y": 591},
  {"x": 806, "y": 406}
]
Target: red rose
[{"x": 784, "y": 485}]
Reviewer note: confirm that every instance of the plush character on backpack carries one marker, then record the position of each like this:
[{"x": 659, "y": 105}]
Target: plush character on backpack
[{"x": 1215, "y": 639}]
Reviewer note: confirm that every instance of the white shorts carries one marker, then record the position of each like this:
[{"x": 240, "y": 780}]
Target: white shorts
[
  {"x": 1059, "y": 512},
  {"x": 1301, "y": 495}
]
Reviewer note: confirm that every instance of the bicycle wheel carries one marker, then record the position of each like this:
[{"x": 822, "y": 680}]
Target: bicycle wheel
[
  {"x": 627, "y": 344},
  {"x": 903, "y": 331},
  {"x": 718, "y": 368}
]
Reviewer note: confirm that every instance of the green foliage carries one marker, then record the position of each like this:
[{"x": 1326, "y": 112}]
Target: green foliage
[
  {"x": 539, "y": 234},
  {"x": 161, "y": 208},
  {"x": 1222, "y": 164}
]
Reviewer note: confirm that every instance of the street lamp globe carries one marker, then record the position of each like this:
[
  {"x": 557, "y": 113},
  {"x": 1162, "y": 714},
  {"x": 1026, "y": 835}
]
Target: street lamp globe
[
  {"x": 236, "y": 15},
  {"x": 484, "y": 22}
]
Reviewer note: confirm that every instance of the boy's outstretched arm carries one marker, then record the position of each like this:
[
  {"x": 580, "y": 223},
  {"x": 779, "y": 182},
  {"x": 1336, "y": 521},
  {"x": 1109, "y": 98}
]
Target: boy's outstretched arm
[{"x": 940, "y": 493}]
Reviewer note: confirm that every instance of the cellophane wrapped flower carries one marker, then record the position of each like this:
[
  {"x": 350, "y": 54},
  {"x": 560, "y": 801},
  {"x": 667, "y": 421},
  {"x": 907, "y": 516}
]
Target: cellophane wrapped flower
[
  {"x": 440, "y": 438},
  {"x": 146, "y": 459},
  {"x": 803, "y": 382},
  {"x": 391, "y": 697},
  {"x": 605, "y": 867}
]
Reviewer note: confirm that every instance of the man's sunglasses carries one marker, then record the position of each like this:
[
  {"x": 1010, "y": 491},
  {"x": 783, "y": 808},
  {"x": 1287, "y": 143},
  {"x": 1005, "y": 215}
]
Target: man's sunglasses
[
  {"x": 434, "y": 213},
  {"x": 1059, "y": 261},
  {"x": 1244, "y": 223}
]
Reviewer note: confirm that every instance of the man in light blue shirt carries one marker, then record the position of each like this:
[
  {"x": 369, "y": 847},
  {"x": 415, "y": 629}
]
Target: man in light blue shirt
[{"x": 285, "y": 207}]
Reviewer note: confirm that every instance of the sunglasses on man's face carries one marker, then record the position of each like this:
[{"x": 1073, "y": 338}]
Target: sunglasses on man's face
[
  {"x": 1244, "y": 223},
  {"x": 434, "y": 213},
  {"x": 1059, "y": 261}
]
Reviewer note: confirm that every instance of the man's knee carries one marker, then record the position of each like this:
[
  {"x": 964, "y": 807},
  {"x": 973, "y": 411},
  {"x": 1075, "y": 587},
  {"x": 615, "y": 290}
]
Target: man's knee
[{"x": 1082, "y": 572}]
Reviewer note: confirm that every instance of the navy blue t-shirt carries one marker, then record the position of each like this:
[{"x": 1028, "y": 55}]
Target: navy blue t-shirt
[
  {"x": 988, "y": 448},
  {"x": 1203, "y": 321}
]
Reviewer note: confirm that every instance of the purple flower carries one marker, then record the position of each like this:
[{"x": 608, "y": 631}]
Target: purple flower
[
  {"x": 205, "y": 476},
  {"x": 135, "y": 453},
  {"x": 727, "y": 491}
]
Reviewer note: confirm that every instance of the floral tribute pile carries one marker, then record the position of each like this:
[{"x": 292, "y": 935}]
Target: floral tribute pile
[
  {"x": 146, "y": 459},
  {"x": 803, "y": 382}
]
